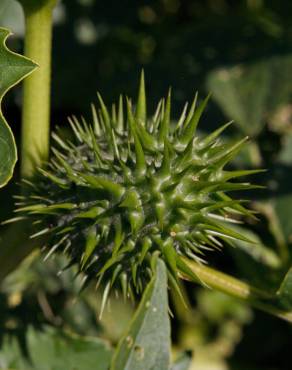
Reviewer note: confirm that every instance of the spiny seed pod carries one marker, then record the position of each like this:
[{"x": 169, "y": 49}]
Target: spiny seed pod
[{"x": 129, "y": 188}]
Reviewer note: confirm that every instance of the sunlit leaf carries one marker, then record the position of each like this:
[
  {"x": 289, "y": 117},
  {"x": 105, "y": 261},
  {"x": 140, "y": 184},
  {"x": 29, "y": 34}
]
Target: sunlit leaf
[{"x": 146, "y": 345}]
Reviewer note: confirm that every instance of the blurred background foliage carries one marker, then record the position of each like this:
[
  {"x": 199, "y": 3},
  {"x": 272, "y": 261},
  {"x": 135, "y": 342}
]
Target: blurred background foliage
[{"x": 241, "y": 52}]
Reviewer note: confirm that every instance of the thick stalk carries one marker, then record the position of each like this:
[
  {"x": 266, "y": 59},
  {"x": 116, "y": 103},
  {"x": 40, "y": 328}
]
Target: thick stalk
[
  {"x": 214, "y": 279},
  {"x": 15, "y": 244},
  {"x": 36, "y": 93}
]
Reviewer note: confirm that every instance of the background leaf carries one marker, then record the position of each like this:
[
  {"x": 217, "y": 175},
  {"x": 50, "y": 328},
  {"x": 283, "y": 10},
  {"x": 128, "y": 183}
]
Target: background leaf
[
  {"x": 285, "y": 291},
  {"x": 13, "y": 68},
  {"x": 11, "y": 16},
  {"x": 55, "y": 350},
  {"x": 146, "y": 345},
  {"x": 183, "y": 362},
  {"x": 282, "y": 201},
  {"x": 283, "y": 204},
  {"x": 250, "y": 93}
]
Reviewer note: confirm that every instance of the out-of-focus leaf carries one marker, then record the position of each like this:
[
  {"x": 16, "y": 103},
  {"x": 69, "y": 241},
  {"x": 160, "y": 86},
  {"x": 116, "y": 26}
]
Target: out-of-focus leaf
[
  {"x": 55, "y": 350},
  {"x": 13, "y": 68},
  {"x": 284, "y": 293},
  {"x": 34, "y": 275},
  {"x": 11, "y": 16},
  {"x": 283, "y": 208},
  {"x": 279, "y": 208},
  {"x": 257, "y": 250},
  {"x": 241, "y": 92},
  {"x": 285, "y": 155},
  {"x": 281, "y": 183},
  {"x": 282, "y": 202},
  {"x": 183, "y": 362},
  {"x": 218, "y": 307},
  {"x": 259, "y": 264},
  {"x": 249, "y": 93},
  {"x": 11, "y": 356},
  {"x": 146, "y": 345}
]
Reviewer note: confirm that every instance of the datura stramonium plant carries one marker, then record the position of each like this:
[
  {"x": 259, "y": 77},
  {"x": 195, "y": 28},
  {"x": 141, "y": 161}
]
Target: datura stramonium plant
[{"x": 130, "y": 188}]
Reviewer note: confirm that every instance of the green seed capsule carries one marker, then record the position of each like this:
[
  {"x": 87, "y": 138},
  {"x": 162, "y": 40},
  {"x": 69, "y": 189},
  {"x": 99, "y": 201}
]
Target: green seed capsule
[{"x": 132, "y": 188}]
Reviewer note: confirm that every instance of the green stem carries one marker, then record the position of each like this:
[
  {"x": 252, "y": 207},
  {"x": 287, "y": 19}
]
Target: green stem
[
  {"x": 15, "y": 242},
  {"x": 214, "y": 279},
  {"x": 36, "y": 94}
]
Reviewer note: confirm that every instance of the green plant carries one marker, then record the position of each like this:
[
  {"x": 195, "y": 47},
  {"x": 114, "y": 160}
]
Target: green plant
[{"x": 135, "y": 203}]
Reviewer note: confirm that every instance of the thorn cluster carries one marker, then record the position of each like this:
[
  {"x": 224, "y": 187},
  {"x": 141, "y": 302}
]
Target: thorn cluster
[{"x": 130, "y": 188}]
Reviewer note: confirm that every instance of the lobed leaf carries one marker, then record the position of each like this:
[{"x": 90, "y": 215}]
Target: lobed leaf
[{"x": 13, "y": 68}]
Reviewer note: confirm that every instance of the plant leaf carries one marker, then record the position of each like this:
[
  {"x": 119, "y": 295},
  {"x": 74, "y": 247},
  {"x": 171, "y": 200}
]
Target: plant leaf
[
  {"x": 53, "y": 349},
  {"x": 146, "y": 345},
  {"x": 11, "y": 16},
  {"x": 284, "y": 293},
  {"x": 257, "y": 250},
  {"x": 183, "y": 362},
  {"x": 248, "y": 93},
  {"x": 282, "y": 206},
  {"x": 13, "y": 68}
]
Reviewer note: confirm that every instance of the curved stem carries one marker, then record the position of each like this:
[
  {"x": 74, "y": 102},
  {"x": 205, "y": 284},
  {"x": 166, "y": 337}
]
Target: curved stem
[{"x": 218, "y": 280}]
